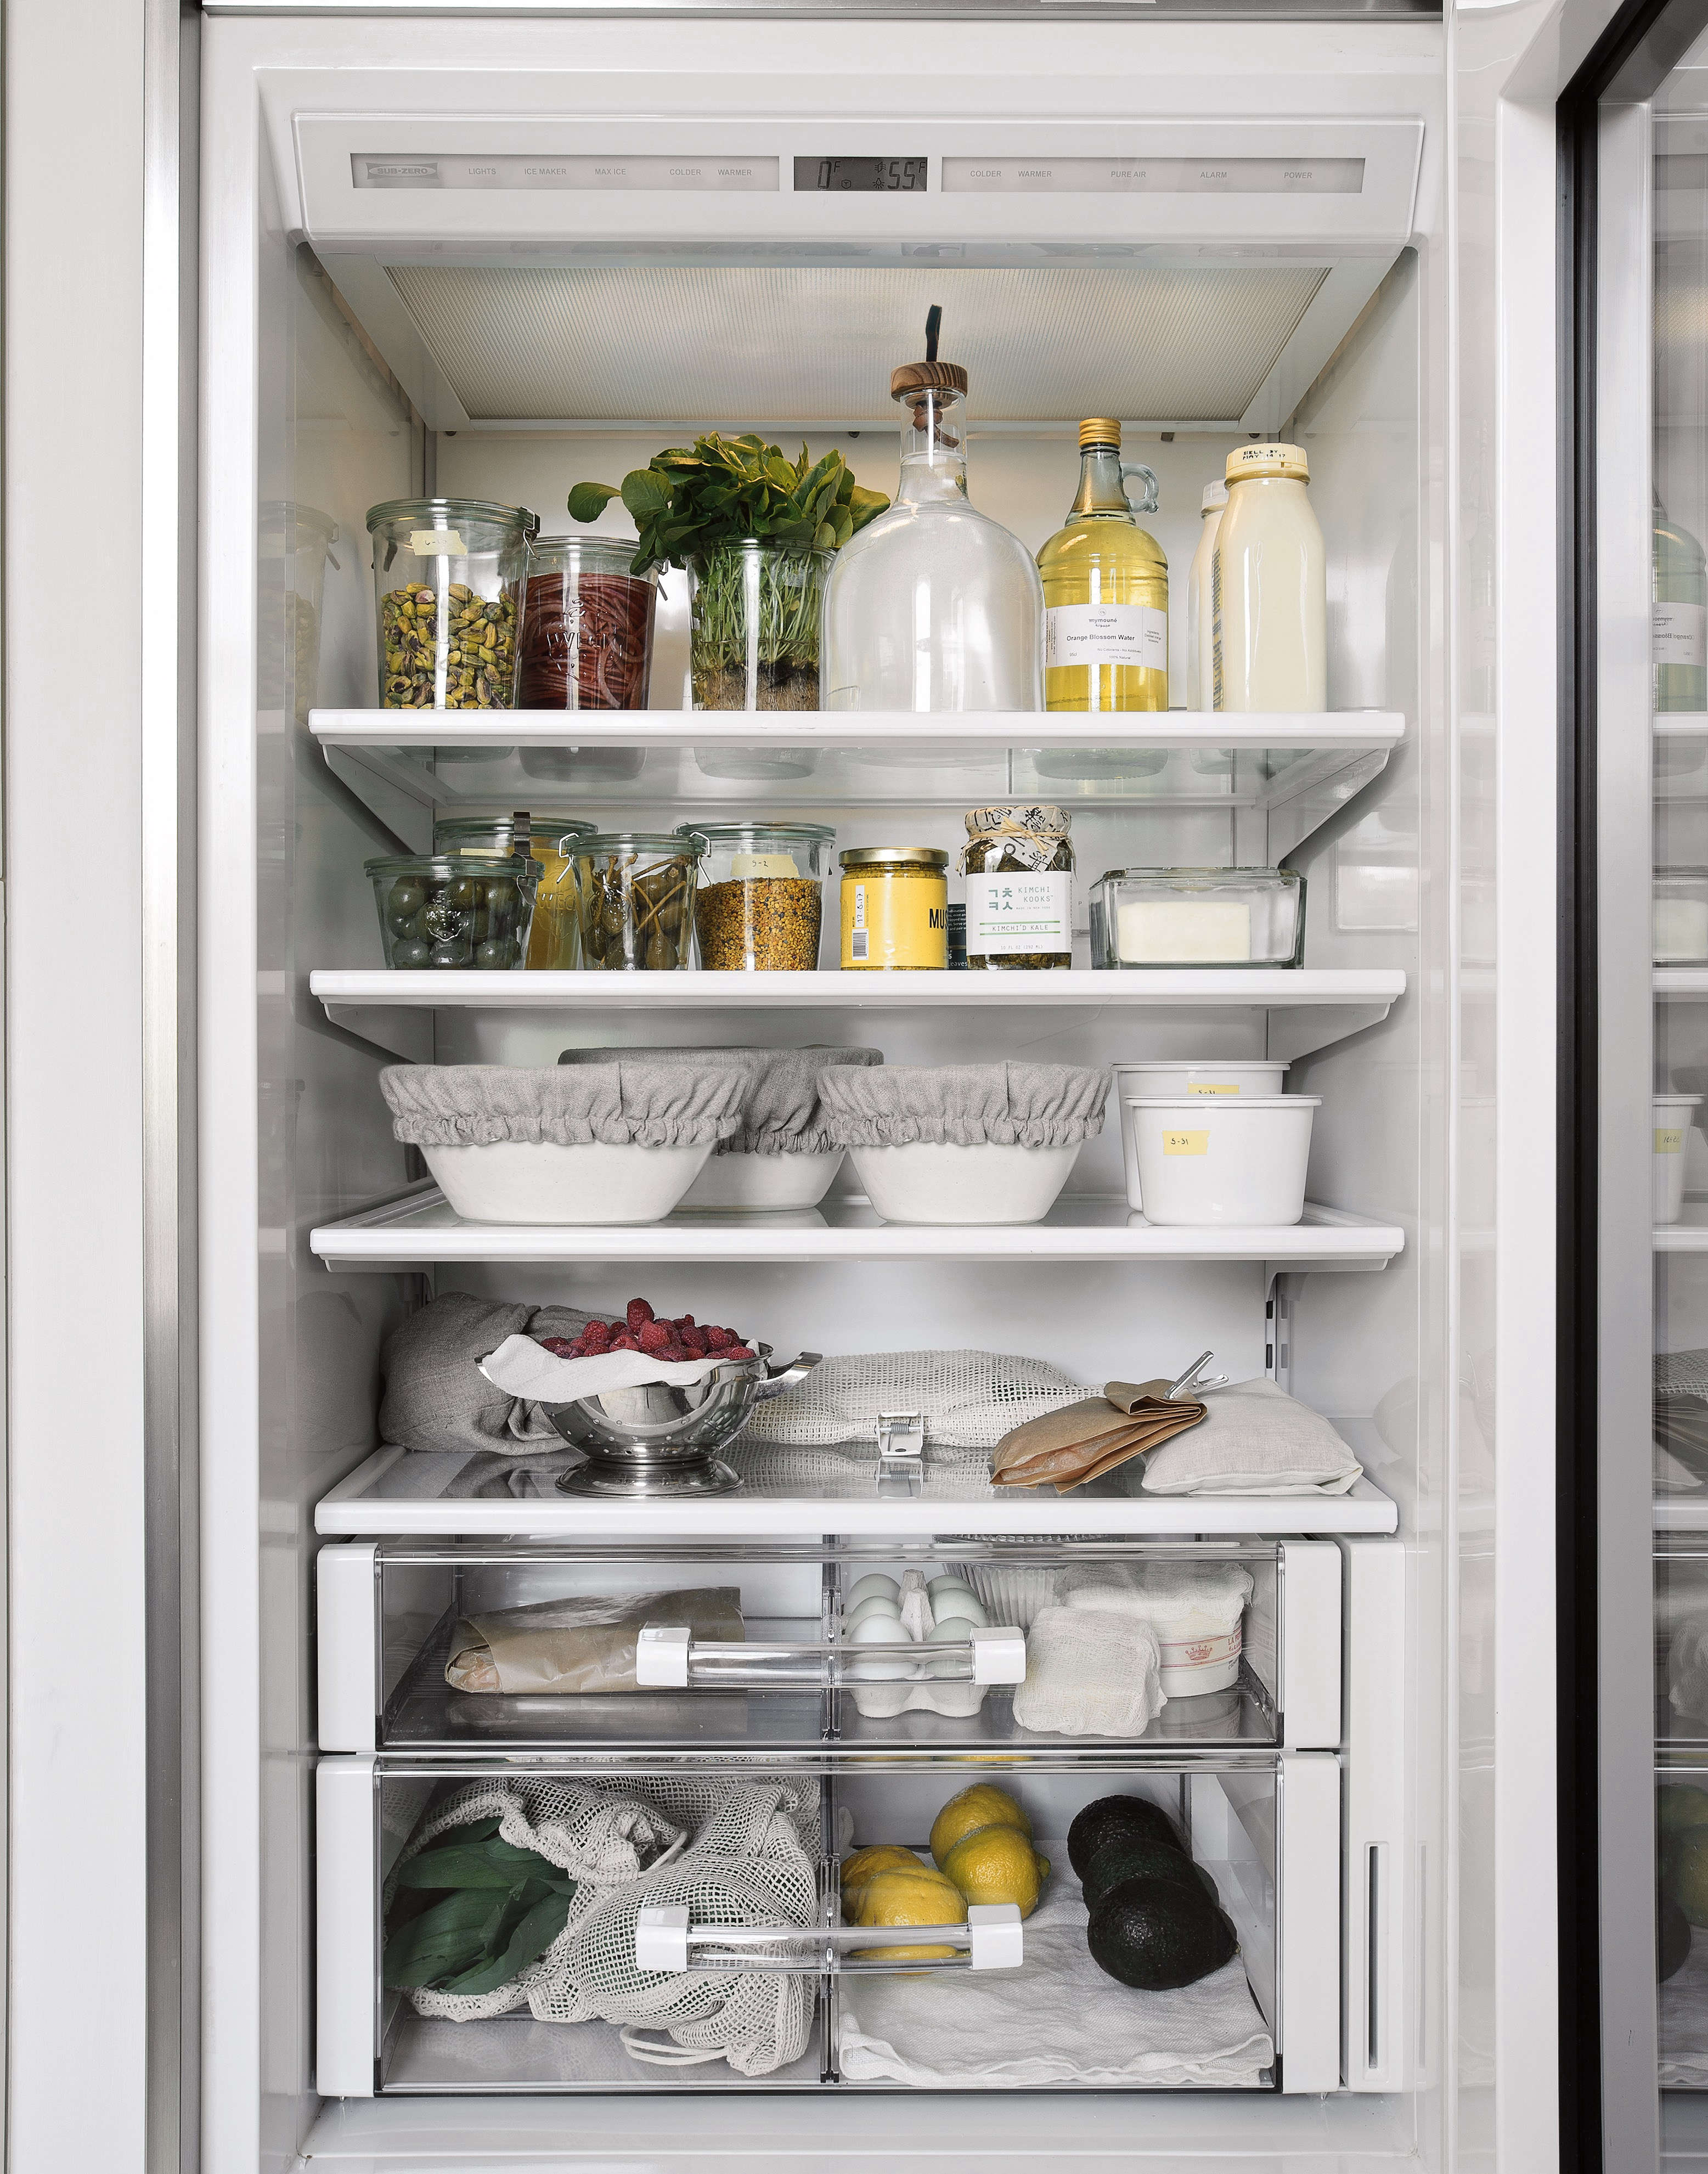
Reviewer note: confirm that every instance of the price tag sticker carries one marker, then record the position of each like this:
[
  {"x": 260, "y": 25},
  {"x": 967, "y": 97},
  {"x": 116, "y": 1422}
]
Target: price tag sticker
[
  {"x": 1669, "y": 1139},
  {"x": 1174, "y": 1143}
]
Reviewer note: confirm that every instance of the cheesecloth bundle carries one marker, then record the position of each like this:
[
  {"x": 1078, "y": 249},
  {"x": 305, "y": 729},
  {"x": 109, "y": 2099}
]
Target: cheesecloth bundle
[
  {"x": 969, "y": 1399},
  {"x": 735, "y": 1852}
]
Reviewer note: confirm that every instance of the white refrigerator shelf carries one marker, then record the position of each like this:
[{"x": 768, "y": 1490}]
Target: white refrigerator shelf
[
  {"x": 419, "y": 1228},
  {"x": 805, "y": 1494}
]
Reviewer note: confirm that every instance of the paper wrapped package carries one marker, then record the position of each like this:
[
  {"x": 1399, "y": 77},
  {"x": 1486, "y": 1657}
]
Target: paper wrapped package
[
  {"x": 1066, "y": 1448},
  {"x": 584, "y": 1644}
]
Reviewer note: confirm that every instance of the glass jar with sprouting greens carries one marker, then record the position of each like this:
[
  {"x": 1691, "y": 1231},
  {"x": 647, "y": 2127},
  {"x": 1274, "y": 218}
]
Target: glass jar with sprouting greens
[
  {"x": 754, "y": 626},
  {"x": 448, "y": 581}
]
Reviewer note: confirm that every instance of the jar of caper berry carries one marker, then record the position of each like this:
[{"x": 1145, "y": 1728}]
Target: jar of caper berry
[
  {"x": 1019, "y": 864},
  {"x": 451, "y": 911},
  {"x": 448, "y": 581}
]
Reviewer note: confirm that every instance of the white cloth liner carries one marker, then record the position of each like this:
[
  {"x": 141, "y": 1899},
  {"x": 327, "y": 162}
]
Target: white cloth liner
[
  {"x": 781, "y": 1112},
  {"x": 523, "y": 1368},
  {"x": 1254, "y": 1438},
  {"x": 628, "y": 1104},
  {"x": 969, "y": 1398},
  {"x": 1090, "y": 1674},
  {"x": 1059, "y": 2019},
  {"x": 1008, "y": 1105}
]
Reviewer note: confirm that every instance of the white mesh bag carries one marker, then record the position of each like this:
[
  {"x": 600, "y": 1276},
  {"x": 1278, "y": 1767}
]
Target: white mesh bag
[
  {"x": 736, "y": 1852},
  {"x": 969, "y": 1399}
]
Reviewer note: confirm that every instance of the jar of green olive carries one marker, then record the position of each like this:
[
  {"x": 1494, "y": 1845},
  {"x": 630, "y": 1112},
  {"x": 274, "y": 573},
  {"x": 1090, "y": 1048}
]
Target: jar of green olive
[
  {"x": 1019, "y": 864},
  {"x": 454, "y": 910}
]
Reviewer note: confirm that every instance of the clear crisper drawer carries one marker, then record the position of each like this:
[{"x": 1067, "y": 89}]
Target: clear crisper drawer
[
  {"x": 547, "y": 1924},
  {"x": 445, "y": 1646}
]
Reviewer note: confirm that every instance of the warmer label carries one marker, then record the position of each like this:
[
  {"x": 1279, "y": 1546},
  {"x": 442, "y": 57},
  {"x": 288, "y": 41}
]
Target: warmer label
[
  {"x": 1174, "y": 1143},
  {"x": 1105, "y": 634},
  {"x": 1680, "y": 634},
  {"x": 1013, "y": 912}
]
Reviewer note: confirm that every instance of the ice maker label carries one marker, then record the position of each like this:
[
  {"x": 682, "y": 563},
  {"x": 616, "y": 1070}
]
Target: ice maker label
[
  {"x": 1105, "y": 634},
  {"x": 1669, "y": 1139},
  {"x": 436, "y": 544},
  {"x": 1014, "y": 913},
  {"x": 1186, "y": 1144},
  {"x": 1681, "y": 634}
]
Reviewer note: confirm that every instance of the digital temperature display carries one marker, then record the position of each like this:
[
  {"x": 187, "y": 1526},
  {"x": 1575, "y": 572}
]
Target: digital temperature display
[{"x": 885, "y": 176}]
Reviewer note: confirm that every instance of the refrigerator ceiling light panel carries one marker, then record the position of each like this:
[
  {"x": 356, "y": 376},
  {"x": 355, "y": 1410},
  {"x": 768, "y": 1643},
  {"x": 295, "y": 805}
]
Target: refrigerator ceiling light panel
[{"x": 803, "y": 344}]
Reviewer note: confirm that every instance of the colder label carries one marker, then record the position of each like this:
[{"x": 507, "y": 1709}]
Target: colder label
[
  {"x": 1013, "y": 913},
  {"x": 1681, "y": 634},
  {"x": 1105, "y": 634}
]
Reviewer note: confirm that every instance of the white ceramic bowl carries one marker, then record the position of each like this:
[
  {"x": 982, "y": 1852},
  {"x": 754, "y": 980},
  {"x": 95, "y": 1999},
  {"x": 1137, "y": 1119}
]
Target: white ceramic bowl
[
  {"x": 1198, "y": 1077},
  {"x": 538, "y": 1181},
  {"x": 752, "y": 1184},
  {"x": 933, "y": 1181},
  {"x": 1673, "y": 1114},
  {"x": 1239, "y": 1158}
]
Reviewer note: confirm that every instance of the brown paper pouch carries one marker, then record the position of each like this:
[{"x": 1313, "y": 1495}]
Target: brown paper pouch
[
  {"x": 1043, "y": 1466},
  {"x": 582, "y": 1645},
  {"x": 1151, "y": 1421}
]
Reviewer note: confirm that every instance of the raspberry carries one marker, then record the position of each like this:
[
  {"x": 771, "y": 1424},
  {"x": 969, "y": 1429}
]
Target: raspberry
[
  {"x": 673, "y": 1354},
  {"x": 638, "y": 1311},
  {"x": 735, "y": 1351},
  {"x": 597, "y": 1332},
  {"x": 719, "y": 1339},
  {"x": 562, "y": 1348},
  {"x": 654, "y": 1336},
  {"x": 624, "y": 1342},
  {"x": 686, "y": 1321}
]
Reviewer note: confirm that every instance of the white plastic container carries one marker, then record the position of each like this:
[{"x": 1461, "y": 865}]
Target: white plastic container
[
  {"x": 1673, "y": 1115},
  {"x": 1239, "y": 1158},
  {"x": 935, "y": 1182},
  {"x": 1201, "y": 612},
  {"x": 1271, "y": 586},
  {"x": 1215, "y": 1075},
  {"x": 538, "y": 1181}
]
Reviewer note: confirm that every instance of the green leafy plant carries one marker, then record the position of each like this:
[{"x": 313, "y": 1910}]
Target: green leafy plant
[
  {"x": 687, "y": 501},
  {"x": 498, "y": 1908}
]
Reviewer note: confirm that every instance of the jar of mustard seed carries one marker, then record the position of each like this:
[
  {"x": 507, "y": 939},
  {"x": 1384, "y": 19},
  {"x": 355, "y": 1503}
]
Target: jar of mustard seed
[
  {"x": 1019, "y": 864},
  {"x": 894, "y": 907}
]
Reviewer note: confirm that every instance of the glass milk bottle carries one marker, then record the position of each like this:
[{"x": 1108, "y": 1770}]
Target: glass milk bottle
[
  {"x": 1105, "y": 589},
  {"x": 1680, "y": 635},
  {"x": 933, "y": 606},
  {"x": 1201, "y": 616},
  {"x": 1270, "y": 584}
]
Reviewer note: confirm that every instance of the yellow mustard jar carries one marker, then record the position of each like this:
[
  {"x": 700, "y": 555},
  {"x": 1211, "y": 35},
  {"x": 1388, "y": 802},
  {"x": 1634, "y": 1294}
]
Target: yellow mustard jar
[{"x": 894, "y": 907}]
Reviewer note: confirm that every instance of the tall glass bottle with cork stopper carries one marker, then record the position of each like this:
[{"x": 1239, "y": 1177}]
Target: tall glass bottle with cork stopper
[
  {"x": 933, "y": 606},
  {"x": 1105, "y": 589}
]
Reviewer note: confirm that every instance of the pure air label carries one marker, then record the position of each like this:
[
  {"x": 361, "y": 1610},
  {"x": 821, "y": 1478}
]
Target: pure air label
[
  {"x": 1174, "y": 1143},
  {"x": 1680, "y": 634},
  {"x": 1014, "y": 912},
  {"x": 1105, "y": 634},
  {"x": 436, "y": 544},
  {"x": 1669, "y": 1139}
]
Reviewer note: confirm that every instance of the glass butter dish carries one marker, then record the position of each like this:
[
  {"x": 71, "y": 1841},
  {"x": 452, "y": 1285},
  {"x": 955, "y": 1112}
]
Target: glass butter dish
[{"x": 1198, "y": 917}]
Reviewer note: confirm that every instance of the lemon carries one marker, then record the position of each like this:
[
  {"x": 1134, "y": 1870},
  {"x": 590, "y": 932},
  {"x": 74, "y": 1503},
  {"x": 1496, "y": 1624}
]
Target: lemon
[
  {"x": 900, "y": 1897},
  {"x": 983, "y": 1805},
  {"x": 998, "y": 1864},
  {"x": 877, "y": 1857}
]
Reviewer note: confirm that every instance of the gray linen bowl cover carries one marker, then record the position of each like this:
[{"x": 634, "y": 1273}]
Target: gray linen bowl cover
[
  {"x": 1008, "y": 1105},
  {"x": 782, "y": 1111},
  {"x": 638, "y": 1104}
]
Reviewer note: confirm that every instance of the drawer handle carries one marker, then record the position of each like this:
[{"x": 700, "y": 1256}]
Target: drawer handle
[
  {"x": 668, "y": 1657},
  {"x": 992, "y": 1938}
]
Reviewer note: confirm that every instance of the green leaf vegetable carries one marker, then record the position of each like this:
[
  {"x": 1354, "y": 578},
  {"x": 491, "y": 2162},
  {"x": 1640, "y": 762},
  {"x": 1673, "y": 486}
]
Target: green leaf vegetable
[
  {"x": 689, "y": 499},
  {"x": 498, "y": 1908}
]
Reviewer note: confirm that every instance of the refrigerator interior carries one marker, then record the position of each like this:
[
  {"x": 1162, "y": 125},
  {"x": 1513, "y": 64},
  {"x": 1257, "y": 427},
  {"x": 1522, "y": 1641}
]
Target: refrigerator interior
[{"x": 309, "y": 424}]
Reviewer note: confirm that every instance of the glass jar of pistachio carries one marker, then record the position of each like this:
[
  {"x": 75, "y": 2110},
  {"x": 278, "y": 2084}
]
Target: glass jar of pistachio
[
  {"x": 448, "y": 581},
  {"x": 1019, "y": 864}
]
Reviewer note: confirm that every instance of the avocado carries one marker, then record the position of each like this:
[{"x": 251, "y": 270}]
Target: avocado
[
  {"x": 1159, "y": 1933},
  {"x": 1100, "y": 1822},
  {"x": 1125, "y": 1857},
  {"x": 1671, "y": 1939}
]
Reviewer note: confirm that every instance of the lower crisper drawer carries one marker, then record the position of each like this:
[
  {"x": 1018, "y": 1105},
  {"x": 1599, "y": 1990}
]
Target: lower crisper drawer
[{"x": 703, "y": 1946}]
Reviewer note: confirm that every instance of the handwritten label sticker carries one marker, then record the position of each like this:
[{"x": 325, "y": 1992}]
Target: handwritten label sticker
[
  {"x": 1198, "y": 1088},
  {"x": 1174, "y": 1143},
  {"x": 437, "y": 543},
  {"x": 1669, "y": 1139}
]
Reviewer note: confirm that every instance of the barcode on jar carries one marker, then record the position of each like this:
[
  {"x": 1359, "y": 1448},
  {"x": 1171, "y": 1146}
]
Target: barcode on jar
[{"x": 860, "y": 945}]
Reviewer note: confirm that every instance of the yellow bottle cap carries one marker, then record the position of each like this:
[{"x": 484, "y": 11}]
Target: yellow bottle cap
[
  {"x": 1099, "y": 431},
  {"x": 1269, "y": 461}
]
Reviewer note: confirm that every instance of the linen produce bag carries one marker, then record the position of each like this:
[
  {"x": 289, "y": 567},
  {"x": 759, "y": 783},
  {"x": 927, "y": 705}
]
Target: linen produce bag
[{"x": 435, "y": 1396}]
